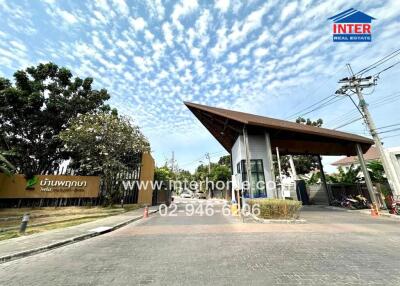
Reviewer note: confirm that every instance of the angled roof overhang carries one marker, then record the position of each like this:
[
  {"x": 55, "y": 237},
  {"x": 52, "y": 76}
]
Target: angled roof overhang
[{"x": 291, "y": 138}]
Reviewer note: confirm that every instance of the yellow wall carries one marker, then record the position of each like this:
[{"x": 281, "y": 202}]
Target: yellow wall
[
  {"x": 49, "y": 186},
  {"x": 146, "y": 175}
]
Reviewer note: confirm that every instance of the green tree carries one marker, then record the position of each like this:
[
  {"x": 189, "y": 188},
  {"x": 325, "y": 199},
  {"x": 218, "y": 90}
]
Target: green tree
[
  {"x": 5, "y": 166},
  {"x": 220, "y": 173},
  {"x": 201, "y": 172},
  {"x": 225, "y": 160},
  {"x": 184, "y": 175},
  {"x": 347, "y": 176},
  {"x": 37, "y": 107},
  {"x": 103, "y": 144},
  {"x": 376, "y": 172},
  {"x": 308, "y": 121},
  {"x": 163, "y": 174},
  {"x": 304, "y": 164}
]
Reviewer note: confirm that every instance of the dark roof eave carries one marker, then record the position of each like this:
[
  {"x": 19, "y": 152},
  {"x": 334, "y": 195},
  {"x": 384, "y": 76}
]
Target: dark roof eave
[{"x": 282, "y": 125}]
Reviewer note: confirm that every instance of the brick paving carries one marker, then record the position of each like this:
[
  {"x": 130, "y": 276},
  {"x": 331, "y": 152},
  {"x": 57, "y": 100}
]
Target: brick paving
[
  {"x": 332, "y": 248},
  {"x": 28, "y": 242}
]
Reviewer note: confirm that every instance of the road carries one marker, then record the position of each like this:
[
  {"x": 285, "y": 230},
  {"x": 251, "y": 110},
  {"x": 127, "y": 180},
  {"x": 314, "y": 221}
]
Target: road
[{"x": 332, "y": 248}]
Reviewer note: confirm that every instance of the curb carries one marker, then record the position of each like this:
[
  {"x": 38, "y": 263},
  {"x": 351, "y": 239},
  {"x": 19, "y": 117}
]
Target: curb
[
  {"x": 285, "y": 221},
  {"x": 72, "y": 240},
  {"x": 363, "y": 211},
  {"x": 48, "y": 223}
]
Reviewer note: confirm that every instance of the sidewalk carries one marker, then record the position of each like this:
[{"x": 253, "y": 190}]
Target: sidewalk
[
  {"x": 383, "y": 213},
  {"x": 28, "y": 245}
]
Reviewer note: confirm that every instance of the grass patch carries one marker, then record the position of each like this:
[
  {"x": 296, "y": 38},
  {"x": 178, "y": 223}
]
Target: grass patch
[
  {"x": 275, "y": 208},
  {"x": 36, "y": 229},
  {"x": 52, "y": 218}
]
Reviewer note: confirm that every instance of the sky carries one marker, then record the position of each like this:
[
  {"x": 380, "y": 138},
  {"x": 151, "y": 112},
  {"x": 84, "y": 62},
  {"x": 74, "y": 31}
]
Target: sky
[{"x": 272, "y": 58}]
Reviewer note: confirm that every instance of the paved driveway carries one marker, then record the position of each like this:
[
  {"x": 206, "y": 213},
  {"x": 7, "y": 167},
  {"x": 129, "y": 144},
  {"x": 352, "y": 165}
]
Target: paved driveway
[{"x": 332, "y": 248}]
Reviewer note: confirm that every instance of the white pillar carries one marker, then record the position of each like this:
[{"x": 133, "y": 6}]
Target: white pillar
[
  {"x": 395, "y": 183},
  {"x": 367, "y": 178},
  {"x": 270, "y": 167},
  {"x": 248, "y": 170},
  {"x": 278, "y": 158},
  {"x": 294, "y": 173}
]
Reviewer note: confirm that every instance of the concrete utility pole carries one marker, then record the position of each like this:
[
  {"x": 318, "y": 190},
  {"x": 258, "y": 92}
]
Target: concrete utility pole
[
  {"x": 367, "y": 178},
  {"x": 292, "y": 167},
  {"x": 356, "y": 84},
  {"x": 209, "y": 162},
  {"x": 173, "y": 161}
]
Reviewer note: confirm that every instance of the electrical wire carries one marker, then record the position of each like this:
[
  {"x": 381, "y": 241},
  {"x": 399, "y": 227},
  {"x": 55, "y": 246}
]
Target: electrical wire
[
  {"x": 385, "y": 69},
  {"x": 348, "y": 123},
  {"x": 361, "y": 72},
  {"x": 203, "y": 157},
  {"x": 378, "y": 63},
  {"x": 391, "y": 136},
  {"x": 387, "y": 126},
  {"x": 297, "y": 114},
  {"x": 388, "y": 131},
  {"x": 374, "y": 104},
  {"x": 323, "y": 105}
]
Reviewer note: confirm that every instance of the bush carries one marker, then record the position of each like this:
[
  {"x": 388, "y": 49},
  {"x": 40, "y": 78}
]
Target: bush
[{"x": 276, "y": 209}]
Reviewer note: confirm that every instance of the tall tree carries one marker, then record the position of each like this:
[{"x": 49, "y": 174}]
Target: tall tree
[
  {"x": 37, "y": 107},
  {"x": 304, "y": 164},
  {"x": 348, "y": 176},
  {"x": 376, "y": 172},
  {"x": 104, "y": 144},
  {"x": 225, "y": 160},
  {"x": 5, "y": 166}
]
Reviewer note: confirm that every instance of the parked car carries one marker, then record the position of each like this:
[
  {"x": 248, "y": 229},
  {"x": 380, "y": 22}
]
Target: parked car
[
  {"x": 201, "y": 195},
  {"x": 186, "y": 195}
]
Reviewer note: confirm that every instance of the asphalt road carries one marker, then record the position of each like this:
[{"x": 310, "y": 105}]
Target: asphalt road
[{"x": 332, "y": 248}]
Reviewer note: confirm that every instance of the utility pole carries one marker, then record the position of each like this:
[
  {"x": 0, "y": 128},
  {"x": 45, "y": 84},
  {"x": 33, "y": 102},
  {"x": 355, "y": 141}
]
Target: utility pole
[
  {"x": 172, "y": 161},
  {"x": 207, "y": 155},
  {"x": 356, "y": 84},
  {"x": 209, "y": 162}
]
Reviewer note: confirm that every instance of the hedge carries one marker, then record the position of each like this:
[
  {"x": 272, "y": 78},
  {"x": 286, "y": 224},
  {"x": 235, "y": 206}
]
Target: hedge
[{"x": 276, "y": 209}]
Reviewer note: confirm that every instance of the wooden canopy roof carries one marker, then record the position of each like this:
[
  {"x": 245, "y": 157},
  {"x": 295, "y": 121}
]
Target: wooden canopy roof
[{"x": 291, "y": 138}]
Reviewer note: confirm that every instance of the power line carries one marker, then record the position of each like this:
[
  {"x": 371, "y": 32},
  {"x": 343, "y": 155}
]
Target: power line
[
  {"x": 391, "y": 136},
  {"x": 387, "y": 126},
  {"x": 348, "y": 123},
  {"x": 202, "y": 157},
  {"x": 323, "y": 105},
  {"x": 385, "y": 69},
  {"x": 296, "y": 114},
  {"x": 388, "y": 131},
  {"x": 374, "y": 104},
  {"x": 379, "y": 62},
  {"x": 329, "y": 99},
  {"x": 357, "y": 84}
]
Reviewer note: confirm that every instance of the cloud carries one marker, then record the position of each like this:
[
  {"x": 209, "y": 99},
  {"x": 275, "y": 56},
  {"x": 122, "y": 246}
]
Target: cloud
[
  {"x": 222, "y": 5},
  {"x": 121, "y": 6},
  {"x": 182, "y": 9},
  {"x": 68, "y": 17},
  {"x": 168, "y": 36},
  {"x": 254, "y": 56},
  {"x": 156, "y": 9},
  {"x": 288, "y": 10},
  {"x": 232, "y": 58},
  {"x": 253, "y": 21},
  {"x": 148, "y": 35},
  {"x": 138, "y": 24}
]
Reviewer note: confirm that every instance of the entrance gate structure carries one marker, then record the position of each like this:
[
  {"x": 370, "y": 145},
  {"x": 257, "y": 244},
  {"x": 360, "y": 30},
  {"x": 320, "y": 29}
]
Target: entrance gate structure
[{"x": 251, "y": 139}]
